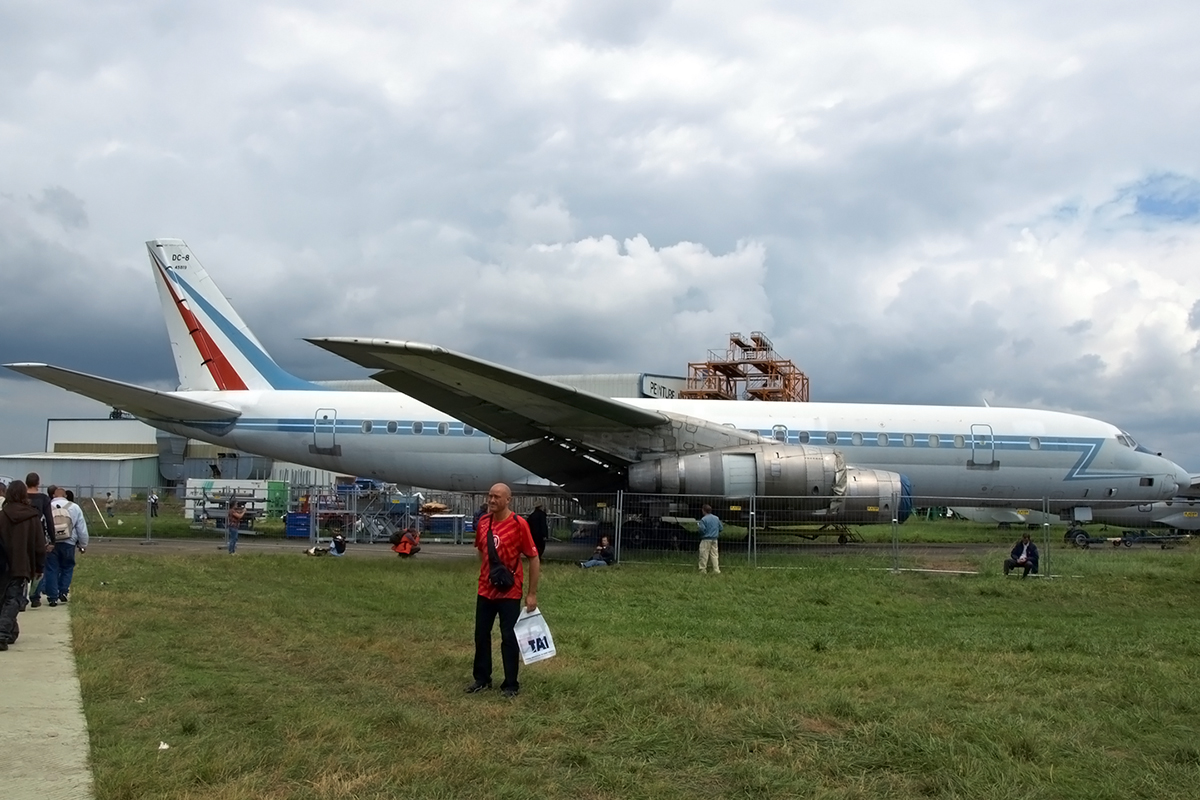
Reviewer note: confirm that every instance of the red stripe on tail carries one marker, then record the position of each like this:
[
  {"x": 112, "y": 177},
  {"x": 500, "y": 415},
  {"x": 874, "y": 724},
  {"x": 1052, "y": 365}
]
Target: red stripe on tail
[{"x": 223, "y": 373}]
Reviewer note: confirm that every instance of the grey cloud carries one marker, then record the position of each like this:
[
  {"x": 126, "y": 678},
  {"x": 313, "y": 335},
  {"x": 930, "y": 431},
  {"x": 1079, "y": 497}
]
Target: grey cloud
[
  {"x": 618, "y": 22},
  {"x": 62, "y": 206}
]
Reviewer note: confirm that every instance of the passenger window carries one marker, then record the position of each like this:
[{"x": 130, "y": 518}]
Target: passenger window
[
  {"x": 856, "y": 439},
  {"x": 1035, "y": 443},
  {"x": 366, "y": 426},
  {"x": 934, "y": 441},
  {"x": 831, "y": 437},
  {"x": 468, "y": 430},
  {"x": 959, "y": 441},
  {"x": 909, "y": 441},
  {"x": 882, "y": 439},
  {"x": 780, "y": 433},
  {"x": 803, "y": 437},
  {"x": 443, "y": 428},
  {"x": 418, "y": 426},
  {"x": 391, "y": 427}
]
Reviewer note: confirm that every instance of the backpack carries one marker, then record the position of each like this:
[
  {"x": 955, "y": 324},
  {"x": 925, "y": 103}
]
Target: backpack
[{"x": 63, "y": 527}]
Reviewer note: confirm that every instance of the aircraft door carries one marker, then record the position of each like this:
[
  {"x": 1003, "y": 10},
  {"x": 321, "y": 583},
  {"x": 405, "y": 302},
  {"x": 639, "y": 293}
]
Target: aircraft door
[
  {"x": 741, "y": 475},
  {"x": 983, "y": 448},
  {"x": 325, "y": 432}
]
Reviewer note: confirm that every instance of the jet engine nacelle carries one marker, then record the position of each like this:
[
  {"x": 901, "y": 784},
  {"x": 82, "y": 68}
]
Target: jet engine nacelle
[
  {"x": 872, "y": 496},
  {"x": 772, "y": 470}
]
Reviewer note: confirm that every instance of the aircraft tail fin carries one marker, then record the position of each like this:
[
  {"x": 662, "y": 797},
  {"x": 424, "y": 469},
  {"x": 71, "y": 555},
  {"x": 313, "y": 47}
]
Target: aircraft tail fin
[{"x": 214, "y": 348}]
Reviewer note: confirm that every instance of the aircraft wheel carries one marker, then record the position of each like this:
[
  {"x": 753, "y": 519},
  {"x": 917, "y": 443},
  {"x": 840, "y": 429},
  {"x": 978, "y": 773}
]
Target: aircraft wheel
[
  {"x": 1127, "y": 542},
  {"x": 1081, "y": 540},
  {"x": 843, "y": 538}
]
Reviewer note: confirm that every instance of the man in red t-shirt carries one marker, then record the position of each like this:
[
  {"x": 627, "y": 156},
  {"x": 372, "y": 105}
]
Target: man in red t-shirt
[{"x": 510, "y": 532}]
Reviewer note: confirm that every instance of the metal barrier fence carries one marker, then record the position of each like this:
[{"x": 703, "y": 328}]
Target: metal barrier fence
[{"x": 759, "y": 532}]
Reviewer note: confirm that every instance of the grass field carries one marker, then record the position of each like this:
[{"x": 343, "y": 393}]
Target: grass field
[{"x": 286, "y": 677}]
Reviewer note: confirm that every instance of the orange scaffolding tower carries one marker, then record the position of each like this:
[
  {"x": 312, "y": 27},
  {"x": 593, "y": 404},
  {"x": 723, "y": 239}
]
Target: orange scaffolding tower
[{"x": 749, "y": 370}]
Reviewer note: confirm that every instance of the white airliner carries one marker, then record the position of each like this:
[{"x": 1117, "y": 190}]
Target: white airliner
[
  {"x": 1180, "y": 513},
  {"x": 461, "y": 423}
]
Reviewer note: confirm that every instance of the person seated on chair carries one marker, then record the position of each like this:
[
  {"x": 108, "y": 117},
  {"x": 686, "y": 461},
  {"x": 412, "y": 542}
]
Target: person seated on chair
[
  {"x": 602, "y": 557},
  {"x": 407, "y": 544},
  {"x": 1024, "y": 555}
]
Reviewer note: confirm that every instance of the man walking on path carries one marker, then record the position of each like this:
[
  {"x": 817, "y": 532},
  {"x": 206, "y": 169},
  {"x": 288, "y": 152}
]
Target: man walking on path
[
  {"x": 710, "y": 529},
  {"x": 41, "y": 501},
  {"x": 502, "y": 537},
  {"x": 70, "y": 534}
]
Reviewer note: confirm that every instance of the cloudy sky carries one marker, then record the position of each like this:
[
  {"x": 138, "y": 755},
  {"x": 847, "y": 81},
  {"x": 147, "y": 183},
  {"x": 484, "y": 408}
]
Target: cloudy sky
[{"x": 951, "y": 203}]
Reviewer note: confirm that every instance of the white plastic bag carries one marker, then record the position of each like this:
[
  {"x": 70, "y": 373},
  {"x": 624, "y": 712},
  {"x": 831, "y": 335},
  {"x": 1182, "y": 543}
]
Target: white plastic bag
[{"x": 533, "y": 635}]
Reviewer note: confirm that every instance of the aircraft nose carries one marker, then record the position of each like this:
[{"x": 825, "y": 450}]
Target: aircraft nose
[
  {"x": 1177, "y": 480},
  {"x": 1182, "y": 478}
]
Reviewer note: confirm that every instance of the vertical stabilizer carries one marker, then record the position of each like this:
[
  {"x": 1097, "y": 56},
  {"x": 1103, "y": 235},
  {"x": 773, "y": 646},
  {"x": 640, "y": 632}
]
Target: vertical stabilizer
[{"x": 213, "y": 348}]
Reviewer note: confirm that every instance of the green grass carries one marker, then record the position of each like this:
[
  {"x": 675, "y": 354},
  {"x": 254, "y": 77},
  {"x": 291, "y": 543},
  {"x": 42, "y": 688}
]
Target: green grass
[{"x": 286, "y": 677}]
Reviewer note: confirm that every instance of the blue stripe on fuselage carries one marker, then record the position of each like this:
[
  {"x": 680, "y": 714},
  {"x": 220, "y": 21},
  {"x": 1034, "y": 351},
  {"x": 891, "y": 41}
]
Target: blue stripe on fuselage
[{"x": 1087, "y": 447}]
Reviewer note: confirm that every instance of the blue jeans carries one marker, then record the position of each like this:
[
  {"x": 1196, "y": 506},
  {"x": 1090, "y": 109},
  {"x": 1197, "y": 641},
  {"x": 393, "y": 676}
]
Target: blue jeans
[
  {"x": 60, "y": 567},
  {"x": 594, "y": 562},
  {"x": 231, "y": 532}
]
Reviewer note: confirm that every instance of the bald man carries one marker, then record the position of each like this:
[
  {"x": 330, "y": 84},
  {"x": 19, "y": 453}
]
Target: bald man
[{"x": 510, "y": 534}]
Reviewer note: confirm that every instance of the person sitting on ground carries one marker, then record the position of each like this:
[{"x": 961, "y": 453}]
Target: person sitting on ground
[
  {"x": 1024, "y": 555},
  {"x": 337, "y": 547},
  {"x": 407, "y": 544},
  {"x": 602, "y": 557}
]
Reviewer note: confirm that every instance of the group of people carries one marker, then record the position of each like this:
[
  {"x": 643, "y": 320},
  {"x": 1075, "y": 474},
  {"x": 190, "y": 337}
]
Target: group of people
[{"x": 40, "y": 535}]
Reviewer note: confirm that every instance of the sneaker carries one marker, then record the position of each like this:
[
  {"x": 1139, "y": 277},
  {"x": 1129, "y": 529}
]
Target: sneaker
[
  {"x": 509, "y": 692},
  {"x": 52, "y": 603},
  {"x": 35, "y": 602},
  {"x": 63, "y": 599},
  {"x": 3, "y": 645},
  {"x": 478, "y": 686}
]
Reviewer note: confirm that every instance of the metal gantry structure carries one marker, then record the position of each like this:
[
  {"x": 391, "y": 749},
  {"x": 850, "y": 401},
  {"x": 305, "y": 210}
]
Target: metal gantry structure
[{"x": 749, "y": 369}]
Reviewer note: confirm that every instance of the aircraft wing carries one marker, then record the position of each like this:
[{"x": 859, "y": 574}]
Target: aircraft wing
[
  {"x": 510, "y": 405},
  {"x": 137, "y": 400}
]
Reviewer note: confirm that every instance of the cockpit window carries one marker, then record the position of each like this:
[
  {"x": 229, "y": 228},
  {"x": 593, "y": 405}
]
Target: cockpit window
[{"x": 1127, "y": 440}]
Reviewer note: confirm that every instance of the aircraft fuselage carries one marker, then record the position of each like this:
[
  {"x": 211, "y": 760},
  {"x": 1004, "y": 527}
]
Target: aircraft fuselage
[{"x": 994, "y": 455}]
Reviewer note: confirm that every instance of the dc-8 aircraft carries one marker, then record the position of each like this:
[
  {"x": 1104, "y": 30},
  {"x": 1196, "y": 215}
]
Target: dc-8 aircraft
[{"x": 461, "y": 423}]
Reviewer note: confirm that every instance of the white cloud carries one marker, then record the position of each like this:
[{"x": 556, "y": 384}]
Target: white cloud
[{"x": 930, "y": 202}]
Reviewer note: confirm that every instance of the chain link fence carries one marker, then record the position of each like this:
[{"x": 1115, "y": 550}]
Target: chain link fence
[{"x": 759, "y": 532}]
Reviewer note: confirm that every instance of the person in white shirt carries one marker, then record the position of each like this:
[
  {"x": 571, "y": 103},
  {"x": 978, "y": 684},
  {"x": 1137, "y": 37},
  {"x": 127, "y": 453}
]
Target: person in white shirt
[{"x": 60, "y": 563}]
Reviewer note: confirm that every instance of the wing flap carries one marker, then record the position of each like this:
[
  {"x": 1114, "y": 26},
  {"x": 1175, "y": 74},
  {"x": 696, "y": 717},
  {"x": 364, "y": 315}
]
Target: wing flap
[
  {"x": 137, "y": 400},
  {"x": 569, "y": 466},
  {"x": 509, "y": 404}
]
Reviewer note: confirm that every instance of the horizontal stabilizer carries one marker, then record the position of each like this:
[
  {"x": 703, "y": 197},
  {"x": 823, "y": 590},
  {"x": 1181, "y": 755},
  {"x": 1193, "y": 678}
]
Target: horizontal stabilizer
[
  {"x": 137, "y": 400},
  {"x": 508, "y": 404}
]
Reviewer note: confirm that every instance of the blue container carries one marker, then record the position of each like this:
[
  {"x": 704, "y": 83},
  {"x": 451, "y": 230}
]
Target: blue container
[{"x": 297, "y": 525}]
